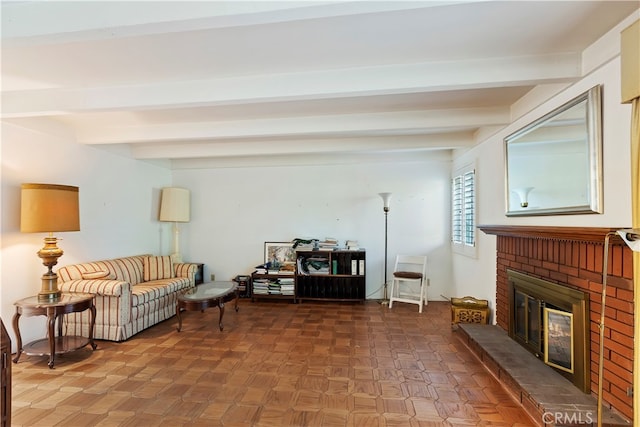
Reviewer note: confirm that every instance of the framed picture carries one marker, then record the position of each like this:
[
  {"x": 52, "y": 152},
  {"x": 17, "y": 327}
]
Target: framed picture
[
  {"x": 280, "y": 252},
  {"x": 558, "y": 343}
]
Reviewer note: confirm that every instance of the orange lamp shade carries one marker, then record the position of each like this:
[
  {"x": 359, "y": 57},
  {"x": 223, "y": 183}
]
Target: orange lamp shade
[{"x": 49, "y": 208}]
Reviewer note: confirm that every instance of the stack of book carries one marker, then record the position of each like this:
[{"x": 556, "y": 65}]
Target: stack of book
[
  {"x": 269, "y": 268},
  {"x": 274, "y": 288},
  {"x": 328, "y": 244},
  {"x": 287, "y": 286},
  {"x": 352, "y": 245},
  {"x": 261, "y": 287},
  {"x": 305, "y": 244},
  {"x": 287, "y": 269}
]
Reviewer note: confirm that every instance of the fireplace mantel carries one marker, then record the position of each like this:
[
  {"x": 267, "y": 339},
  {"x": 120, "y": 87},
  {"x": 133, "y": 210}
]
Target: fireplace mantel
[{"x": 575, "y": 234}]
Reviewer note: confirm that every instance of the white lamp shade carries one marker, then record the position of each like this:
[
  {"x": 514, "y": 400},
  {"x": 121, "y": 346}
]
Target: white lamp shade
[
  {"x": 386, "y": 198},
  {"x": 523, "y": 193},
  {"x": 174, "y": 205},
  {"x": 49, "y": 208}
]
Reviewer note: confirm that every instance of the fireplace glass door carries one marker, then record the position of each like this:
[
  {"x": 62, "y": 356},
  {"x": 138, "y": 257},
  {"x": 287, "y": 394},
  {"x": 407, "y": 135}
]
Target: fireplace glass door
[
  {"x": 552, "y": 322},
  {"x": 528, "y": 321}
]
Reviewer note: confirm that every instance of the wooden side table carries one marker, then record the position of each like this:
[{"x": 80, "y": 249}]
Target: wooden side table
[
  {"x": 199, "y": 273},
  {"x": 52, "y": 345},
  {"x": 5, "y": 377}
]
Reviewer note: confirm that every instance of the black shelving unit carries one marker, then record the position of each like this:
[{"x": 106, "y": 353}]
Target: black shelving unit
[{"x": 337, "y": 275}]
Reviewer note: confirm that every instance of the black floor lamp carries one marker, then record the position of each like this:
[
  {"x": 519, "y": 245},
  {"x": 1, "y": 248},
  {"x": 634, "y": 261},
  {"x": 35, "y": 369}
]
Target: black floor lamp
[{"x": 385, "y": 199}]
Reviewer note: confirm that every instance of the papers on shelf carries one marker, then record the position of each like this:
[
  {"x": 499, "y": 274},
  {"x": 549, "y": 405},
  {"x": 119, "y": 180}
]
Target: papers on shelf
[
  {"x": 352, "y": 245},
  {"x": 328, "y": 244},
  {"x": 281, "y": 286}
]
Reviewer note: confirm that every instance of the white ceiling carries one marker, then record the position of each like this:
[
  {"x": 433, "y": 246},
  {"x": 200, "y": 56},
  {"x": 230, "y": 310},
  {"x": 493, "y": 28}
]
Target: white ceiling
[{"x": 215, "y": 83}]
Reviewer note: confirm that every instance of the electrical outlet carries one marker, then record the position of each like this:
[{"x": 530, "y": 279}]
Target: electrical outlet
[{"x": 213, "y": 277}]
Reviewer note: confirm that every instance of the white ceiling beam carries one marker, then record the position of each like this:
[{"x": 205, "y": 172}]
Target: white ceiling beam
[
  {"x": 404, "y": 122},
  {"x": 312, "y": 160},
  {"x": 211, "y": 149},
  {"x": 405, "y": 78},
  {"x": 81, "y": 21},
  {"x": 29, "y": 23}
]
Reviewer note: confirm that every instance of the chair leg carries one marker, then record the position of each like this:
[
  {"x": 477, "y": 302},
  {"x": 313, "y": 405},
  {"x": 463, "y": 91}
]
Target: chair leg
[{"x": 423, "y": 296}]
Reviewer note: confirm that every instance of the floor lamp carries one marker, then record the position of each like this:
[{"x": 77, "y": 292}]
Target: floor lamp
[
  {"x": 385, "y": 199},
  {"x": 174, "y": 207},
  {"x": 632, "y": 238}
]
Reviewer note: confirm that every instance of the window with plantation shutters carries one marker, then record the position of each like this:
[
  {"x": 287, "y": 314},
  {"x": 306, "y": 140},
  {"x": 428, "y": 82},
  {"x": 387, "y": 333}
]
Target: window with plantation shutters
[
  {"x": 468, "y": 208},
  {"x": 456, "y": 221},
  {"x": 463, "y": 197}
]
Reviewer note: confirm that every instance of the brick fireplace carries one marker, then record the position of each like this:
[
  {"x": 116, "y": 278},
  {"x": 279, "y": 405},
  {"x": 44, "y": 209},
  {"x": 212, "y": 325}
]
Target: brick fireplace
[{"x": 573, "y": 257}]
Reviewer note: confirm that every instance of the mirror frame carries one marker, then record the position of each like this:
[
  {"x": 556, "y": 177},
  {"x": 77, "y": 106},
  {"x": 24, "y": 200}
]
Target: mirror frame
[{"x": 593, "y": 98}]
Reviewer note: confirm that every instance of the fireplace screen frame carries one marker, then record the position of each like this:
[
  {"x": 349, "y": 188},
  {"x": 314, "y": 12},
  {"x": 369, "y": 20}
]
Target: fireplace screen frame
[{"x": 563, "y": 298}]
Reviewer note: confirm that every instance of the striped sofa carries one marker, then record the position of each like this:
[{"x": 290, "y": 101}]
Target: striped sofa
[{"x": 132, "y": 293}]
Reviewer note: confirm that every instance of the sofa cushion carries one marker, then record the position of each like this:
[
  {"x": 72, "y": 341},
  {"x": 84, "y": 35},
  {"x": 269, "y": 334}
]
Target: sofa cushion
[
  {"x": 157, "y": 268},
  {"x": 101, "y": 274},
  {"x": 128, "y": 269},
  {"x": 156, "y": 289},
  {"x": 78, "y": 271}
]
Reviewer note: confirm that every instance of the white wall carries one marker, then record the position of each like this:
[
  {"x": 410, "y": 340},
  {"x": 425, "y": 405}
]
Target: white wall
[
  {"x": 477, "y": 276},
  {"x": 236, "y": 210},
  {"x": 118, "y": 210}
]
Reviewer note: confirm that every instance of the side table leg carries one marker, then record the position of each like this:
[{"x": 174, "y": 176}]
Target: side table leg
[
  {"x": 237, "y": 298},
  {"x": 221, "y": 305},
  {"x": 178, "y": 315},
  {"x": 92, "y": 325},
  {"x": 59, "y": 320},
  {"x": 16, "y": 330},
  {"x": 51, "y": 320}
]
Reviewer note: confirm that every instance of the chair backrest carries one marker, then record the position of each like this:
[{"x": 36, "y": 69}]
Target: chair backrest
[{"x": 411, "y": 263}]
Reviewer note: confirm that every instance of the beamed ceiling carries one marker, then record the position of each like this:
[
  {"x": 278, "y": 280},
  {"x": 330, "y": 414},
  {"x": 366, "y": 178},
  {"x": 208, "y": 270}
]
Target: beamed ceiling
[{"x": 223, "y": 83}]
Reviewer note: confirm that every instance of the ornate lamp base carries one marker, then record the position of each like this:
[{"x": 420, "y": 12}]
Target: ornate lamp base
[{"x": 49, "y": 255}]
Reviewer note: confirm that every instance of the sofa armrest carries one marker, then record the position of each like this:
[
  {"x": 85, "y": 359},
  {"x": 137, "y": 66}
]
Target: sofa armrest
[
  {"x": 187, "y": 270},
  {"x": 97, "y": 286}
]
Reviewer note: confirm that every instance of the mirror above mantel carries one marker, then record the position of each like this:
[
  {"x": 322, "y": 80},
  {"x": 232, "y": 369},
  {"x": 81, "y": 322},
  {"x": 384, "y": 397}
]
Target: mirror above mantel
[{"x": 554, "y": 165}]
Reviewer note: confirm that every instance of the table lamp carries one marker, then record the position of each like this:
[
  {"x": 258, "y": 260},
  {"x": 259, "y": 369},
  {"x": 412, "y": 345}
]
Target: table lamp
[
  {"x": 49, "y": 208},
  {"x": 174, "y": 207}
]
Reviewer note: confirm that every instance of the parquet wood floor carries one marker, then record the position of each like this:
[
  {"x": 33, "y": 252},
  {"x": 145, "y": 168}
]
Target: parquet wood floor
[{"x": 275, "y": 364}]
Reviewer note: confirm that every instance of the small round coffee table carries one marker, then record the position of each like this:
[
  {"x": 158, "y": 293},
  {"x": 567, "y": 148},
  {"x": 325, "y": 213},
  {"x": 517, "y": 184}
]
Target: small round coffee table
[{"x": 211, "y": 294}]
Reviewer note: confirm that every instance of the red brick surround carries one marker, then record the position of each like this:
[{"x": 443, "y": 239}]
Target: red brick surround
[{"x": 573, "y": 256}]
